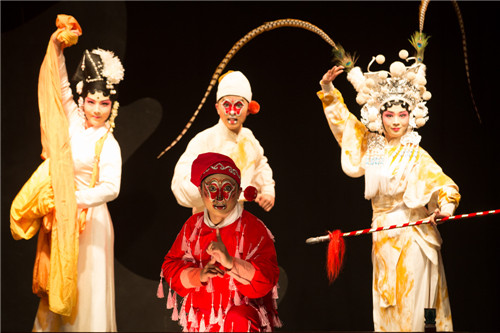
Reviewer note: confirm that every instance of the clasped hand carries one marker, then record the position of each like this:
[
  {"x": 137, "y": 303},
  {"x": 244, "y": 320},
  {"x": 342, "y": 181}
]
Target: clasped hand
[{"x": 219, "y": 254}]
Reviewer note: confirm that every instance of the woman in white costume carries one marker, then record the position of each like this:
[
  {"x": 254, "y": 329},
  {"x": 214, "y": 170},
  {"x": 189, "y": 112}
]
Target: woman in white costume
[
  {"x": 403, "y": 183},
  {"x": 97, "y": 174}
]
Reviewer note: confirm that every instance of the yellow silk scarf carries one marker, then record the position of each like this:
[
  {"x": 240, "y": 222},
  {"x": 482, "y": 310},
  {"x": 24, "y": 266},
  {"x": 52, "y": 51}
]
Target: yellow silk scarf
[{"x": 56, "y": 263}]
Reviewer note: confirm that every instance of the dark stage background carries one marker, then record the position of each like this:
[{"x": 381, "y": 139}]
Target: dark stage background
[{"x": 170, "y": 51}]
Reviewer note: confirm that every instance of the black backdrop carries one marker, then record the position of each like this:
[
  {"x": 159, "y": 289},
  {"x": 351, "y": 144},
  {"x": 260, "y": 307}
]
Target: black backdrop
[{"x": 170, "y": 51}]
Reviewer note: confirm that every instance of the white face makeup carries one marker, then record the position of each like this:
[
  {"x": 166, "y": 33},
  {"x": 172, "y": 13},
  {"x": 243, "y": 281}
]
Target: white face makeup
[
  {"x": 233, "y": 111},
  {"x": 220, "y": 195},
  {"x": 395, "y": 120},
  {"x": 97, "y": 108}
]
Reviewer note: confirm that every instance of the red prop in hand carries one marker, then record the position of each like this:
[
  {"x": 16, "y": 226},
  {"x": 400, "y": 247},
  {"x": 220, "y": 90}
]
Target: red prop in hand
[{"x": 250, "y": 193}]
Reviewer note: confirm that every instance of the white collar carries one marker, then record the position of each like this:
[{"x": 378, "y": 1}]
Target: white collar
[
  {"x": 227, "y": 132},
  {"x": 231, "y": 218}
]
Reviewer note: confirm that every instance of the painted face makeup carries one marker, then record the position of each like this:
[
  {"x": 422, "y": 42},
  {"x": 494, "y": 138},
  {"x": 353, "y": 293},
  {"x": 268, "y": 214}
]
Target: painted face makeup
[
  {"x": 220, "y": 191},
  {"x": 97, "y": 108},
  {"x": 233, "y": 112},
  {"x": 233, "y": 107},
  {"x": 395, "y": 120},
  {"x": 220, "y": 194}
]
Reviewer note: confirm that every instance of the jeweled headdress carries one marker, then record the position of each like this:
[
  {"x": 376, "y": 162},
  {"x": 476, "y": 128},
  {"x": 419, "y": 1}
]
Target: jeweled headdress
[{"x": 400, "y": 83}]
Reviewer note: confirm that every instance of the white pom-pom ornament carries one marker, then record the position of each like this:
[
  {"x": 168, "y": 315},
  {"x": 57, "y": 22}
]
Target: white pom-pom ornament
[
  {"x": 370, "y": 83},
  {"x": 372, "y": 115},
  {"x": 382, "y": 75},
  {"x": 403, "y": 54},
  {"x": 397, "y": 68},
  {"x": 420, "y": 80},
  {"x": 418, "y": 113},
  {"x": 372, "y": 127},
  {"x": 427, "y": 95},
  {"x": 360, "y": 99},
  {"x": 380, "y": 59},
  {"x": 411, "y": 76},
  {"x": 420, "y": 122}
]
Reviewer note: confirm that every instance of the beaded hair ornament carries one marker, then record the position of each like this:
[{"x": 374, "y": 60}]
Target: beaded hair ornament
[{"x": 405, "y": 84}]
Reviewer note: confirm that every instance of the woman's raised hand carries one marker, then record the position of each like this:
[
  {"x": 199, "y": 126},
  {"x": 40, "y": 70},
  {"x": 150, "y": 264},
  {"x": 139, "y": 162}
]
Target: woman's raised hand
[{"x": 332, "y": 74}]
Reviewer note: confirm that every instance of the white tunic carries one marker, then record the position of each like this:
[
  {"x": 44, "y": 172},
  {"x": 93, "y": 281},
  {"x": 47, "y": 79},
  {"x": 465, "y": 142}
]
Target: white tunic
[
  {"x": 243, "y": 148},
  {"x": 408, "y": 271},
  {"x": 95, "y": 310}
]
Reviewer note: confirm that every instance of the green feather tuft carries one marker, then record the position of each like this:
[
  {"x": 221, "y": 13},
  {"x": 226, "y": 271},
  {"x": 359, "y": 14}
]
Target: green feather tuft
[
  {"x": 341, "y": 58},
  {"x": 419, "y": 41}
]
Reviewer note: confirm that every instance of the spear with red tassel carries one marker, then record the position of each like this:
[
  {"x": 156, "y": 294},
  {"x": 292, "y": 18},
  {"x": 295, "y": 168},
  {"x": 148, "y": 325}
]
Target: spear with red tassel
[{"x": 336, "y": 246}]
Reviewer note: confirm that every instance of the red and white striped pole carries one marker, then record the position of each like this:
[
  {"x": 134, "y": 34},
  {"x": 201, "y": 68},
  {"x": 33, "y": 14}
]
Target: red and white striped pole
[
  {"x": 320, "y": 239},
  {"x": 336, "y": 247}
]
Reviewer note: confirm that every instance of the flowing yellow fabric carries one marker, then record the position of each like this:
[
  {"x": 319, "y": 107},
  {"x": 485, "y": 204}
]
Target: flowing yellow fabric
[
  {"x": 56, "y": 144},
  {"x": 58, "y": 240},
  {"x": 32, "y": 203}
]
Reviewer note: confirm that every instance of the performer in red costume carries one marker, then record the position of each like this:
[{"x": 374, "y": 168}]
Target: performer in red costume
[{"x": 223, "y": 261}]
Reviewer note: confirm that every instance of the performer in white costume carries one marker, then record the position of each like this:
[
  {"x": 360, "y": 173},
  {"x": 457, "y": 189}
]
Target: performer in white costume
[
  {"x": 97, "y": 174},
  {"x": 228, "y": 137},
  {"x": 403, "y": 183}
]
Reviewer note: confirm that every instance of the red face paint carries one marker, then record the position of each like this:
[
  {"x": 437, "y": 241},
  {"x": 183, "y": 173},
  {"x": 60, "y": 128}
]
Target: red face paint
[
  {"x": 232, "y": 108},
  {"x": 219, "y": 190}
]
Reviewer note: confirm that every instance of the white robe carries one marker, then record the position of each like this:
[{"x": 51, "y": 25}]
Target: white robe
[
  {"x": 95, "y": 310},
  {"x": 408, "y": 272},
  {"x": 243, "y": 148}
]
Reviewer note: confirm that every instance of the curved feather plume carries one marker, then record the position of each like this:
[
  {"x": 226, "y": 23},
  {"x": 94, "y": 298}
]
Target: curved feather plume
[
  {"x": 421, "y": 14},
  {"x": 294, "y": 23},
  {"x": 466, "y": 61}
]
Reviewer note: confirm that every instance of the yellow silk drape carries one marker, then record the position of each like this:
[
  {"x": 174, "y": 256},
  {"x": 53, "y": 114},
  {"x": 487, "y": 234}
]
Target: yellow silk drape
[{"x": 58, "y": 240}]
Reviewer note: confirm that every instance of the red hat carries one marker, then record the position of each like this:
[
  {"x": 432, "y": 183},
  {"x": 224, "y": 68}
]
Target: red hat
[{"x": 211, "y": 163}]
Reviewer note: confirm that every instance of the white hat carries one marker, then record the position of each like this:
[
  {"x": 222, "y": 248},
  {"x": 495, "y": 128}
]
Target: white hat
[{"x": 234, "y": 83}]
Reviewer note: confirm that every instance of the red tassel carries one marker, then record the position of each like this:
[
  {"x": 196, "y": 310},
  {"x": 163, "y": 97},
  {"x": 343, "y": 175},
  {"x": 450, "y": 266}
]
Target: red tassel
[
  {"x": 159, "y": 292},
  {"x": 277, "y": 322},
  {"x": 335, "y": 254},
  {"x": 197, "y": 249},
  {"x": 183, "y": 320},
  {"x": 242, "y": 239},
  {"x": 202, "y": 324},
  {"x": 237, "y": 299},
  {"x": 184, "y": 246},
  {"x": 175, "y": 312}
]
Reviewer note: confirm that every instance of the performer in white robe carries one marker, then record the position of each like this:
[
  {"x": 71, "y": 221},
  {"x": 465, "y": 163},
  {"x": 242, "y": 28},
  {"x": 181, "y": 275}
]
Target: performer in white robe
[
  {"x": 97, "y": 174},
  {"x": 403, "y": 183},
  {"x": 228, "y": 137}
]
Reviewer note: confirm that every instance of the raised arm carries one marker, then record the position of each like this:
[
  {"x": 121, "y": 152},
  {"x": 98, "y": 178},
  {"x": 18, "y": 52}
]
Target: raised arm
[
  {"x": 349, "y": 132},
  {"x": 69, "y": 105}
]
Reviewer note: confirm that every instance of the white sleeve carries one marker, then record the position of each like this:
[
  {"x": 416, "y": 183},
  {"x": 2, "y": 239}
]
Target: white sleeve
[
  {"x": 263, "y": 177},
  {"x": 69, "y": 105},
  {"x": 185, "y": 192},
  {"x": 110, "y": 171}
]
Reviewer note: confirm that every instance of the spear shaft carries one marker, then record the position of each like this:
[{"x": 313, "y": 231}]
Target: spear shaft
[{"x": 326, "y": 238}]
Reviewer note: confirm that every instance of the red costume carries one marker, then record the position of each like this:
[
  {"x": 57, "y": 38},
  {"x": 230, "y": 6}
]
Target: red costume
[{"x": 244, "y": 299}]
